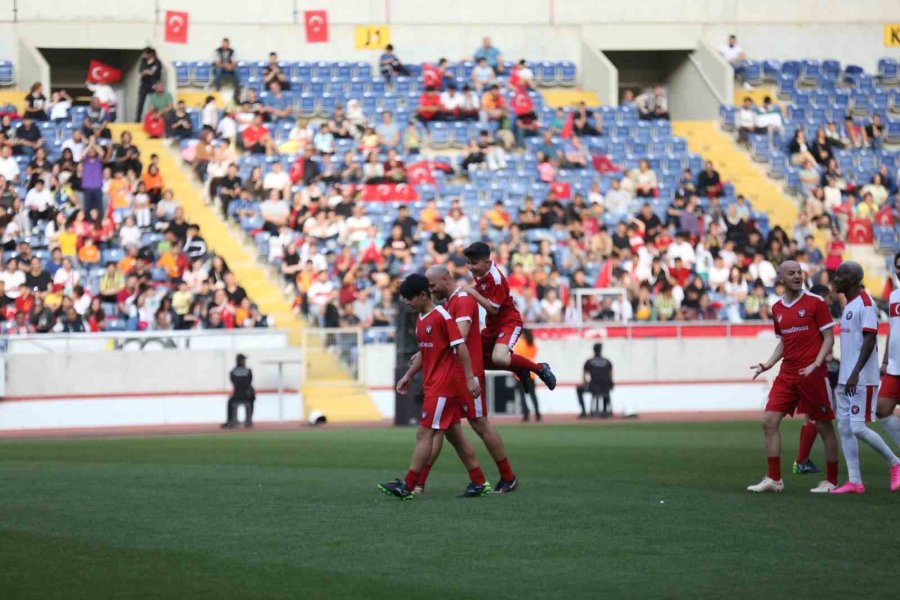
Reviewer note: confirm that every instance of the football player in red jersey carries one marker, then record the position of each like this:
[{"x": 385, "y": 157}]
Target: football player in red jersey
[
  {"x": 805, "y": 332},
  {"x": 889, "y": 392},
  {"x": 441, "y": 349},
  {"x": 464, "y": 310},
  {"x": 503, "y": 324}
]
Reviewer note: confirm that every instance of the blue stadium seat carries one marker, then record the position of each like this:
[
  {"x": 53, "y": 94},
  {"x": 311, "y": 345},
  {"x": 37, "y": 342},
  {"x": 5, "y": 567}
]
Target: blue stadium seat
[
  {"x": 753, "y": 72},
  {"x": 771, "y": 70},
  {"x": 6, "y": 73},
  {"x": 546, "y": 74},
  {"x": 182, "y": 73},
  {"x": 567, "y": 74},
  {"x": 887, "y": 71},
  {"x": 202, "y": 73}
]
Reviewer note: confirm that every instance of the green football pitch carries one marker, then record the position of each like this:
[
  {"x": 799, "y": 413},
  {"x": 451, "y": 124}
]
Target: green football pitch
[{"x": 625, "y": 510}]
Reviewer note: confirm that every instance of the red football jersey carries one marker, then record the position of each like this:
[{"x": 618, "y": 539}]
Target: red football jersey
[
  {"x": 438, "y": 335},
  {"x": 799, "y": 326},
  {"x": 463, "y": 307},
  {"x": 493, "y": 286}
]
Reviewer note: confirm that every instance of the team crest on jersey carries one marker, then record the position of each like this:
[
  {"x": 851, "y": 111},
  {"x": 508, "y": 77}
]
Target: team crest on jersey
[
  {"x": 780, "y": 317},
  {"x": 428, "y": 329},
  {"x": 801, "y": 313},
  {"x": 849, "y": 315},
  {"x": 500, "y": 335},
  {"x": 854, "y": 410},
  {"x": 465, "y": 408},
  {"x": 483, "y": 286},
  {"x": 424, "y": 414},
  {"x": 824, "y": 410}
]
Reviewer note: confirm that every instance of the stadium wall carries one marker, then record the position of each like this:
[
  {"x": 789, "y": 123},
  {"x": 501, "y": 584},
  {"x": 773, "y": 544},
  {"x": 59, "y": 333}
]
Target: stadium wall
[{"x": 550, "y": 29}]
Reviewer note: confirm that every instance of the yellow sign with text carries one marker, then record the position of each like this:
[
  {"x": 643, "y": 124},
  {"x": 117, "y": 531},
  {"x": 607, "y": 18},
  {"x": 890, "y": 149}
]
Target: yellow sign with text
[
  {"x": 892, "y": 35},
  {"x": 372, "y": 37}
]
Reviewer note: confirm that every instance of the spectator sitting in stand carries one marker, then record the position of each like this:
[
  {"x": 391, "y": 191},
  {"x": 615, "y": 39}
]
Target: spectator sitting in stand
[
  {"x": 734, "y": 54},
  {"x": 273, "y": 73},
  {"x": 390, "y": 66},
  {"x": 257, "y": 139},
  {"x": 745, "y": 121},
  {"x": 875, "y": 132},
  {"x": 277, "y": 106},
  {"x": 36, "y": 103},
  {"x": 181, "y": 128},
  {"x": 493, "y": 106},
  {"x": 521, "y": 78},
  {"x": 28, "y": 138},
  {"x": 491, "y": 55},
  {"x": 451, "y": 102},
  {"x": 581, "y": 121},
  {"x": 653, "y": 104},
  {"x": 224, "y": 67},
  {"x": 469, "y": 105},
  {"x": 388, "y": 132},
  {"x": 483, "y": 75},
  {"x": 708, "y": 181},
  {"x": 429, "y": 109},
  {"x": 644, "y": 180}
]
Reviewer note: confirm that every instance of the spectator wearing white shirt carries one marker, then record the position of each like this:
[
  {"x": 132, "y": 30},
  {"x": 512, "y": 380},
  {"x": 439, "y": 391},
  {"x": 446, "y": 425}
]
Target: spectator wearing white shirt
[
  {"x": 39, "y": 202},
  {"x": 470, "y": 104},
  {"x": 106, "y": 96},
  {"x": 275, "y": 212},
  {"x": 9, "y": 168},
  {"x": 12, "y": 278},
  {"x": 763, "y": 270},
  {"x": 681, "y": 248},
  {"x": 277, "y": 179},
  {"x": 551, "y": 307},
  {"x": 457, "y": 224},
  {"x": 745, "y": 121},
  {"x": 76, "y": 144},
  {"x": 227, "y": 128},
  {"x": 60, "y": 103},
  {"x": 718, "y": 273},
  {"x": 209, "y": 114},
  {"x": 319, "y": 295},
  {"x": 357, "y": 226},
  {"x": 67, "y": 276},
  {"x": 451, "y": 102},
  {"x": 734, "y": 54}
]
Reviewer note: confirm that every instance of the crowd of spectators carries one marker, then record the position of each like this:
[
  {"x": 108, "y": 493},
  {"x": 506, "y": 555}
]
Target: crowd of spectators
[{"x": 92, "y": 237}]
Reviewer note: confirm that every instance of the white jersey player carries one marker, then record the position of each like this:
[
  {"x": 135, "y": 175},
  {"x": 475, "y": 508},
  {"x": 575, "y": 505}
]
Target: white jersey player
[
  {"x": 889, "y": 393},
  {"x": 858, "y": 379}
]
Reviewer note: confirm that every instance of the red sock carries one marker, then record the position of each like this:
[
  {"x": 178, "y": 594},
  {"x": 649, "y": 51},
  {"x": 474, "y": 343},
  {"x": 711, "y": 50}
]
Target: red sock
[
  {"x": 411, "y": 478},
  {"x": 831, "y": 472},
  {"x": 477, "y": 476},
  {"x": 774, "y": 467},
  {"x": 517, "y": 363},
  {"x": 423, "y": 474},
  {"x": 808, "y": 435},
  {"x": 506, "y": 473}
]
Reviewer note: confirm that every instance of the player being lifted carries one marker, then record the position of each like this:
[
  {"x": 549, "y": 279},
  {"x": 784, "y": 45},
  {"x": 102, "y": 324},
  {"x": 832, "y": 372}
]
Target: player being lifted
[
  {"x": 443, "y": 354},
  {"x": 889, "y": 393},
  {"x": 464, "y": 310},
  {"x": 804, "y": 328},
  {"x": 503, "y": 324},
  {"x": 858, "y": 379}
]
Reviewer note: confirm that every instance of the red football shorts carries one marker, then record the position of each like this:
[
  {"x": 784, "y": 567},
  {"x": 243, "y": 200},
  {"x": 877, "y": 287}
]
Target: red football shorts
[
  {"x": 439, "y": 412},
  {"x": 890, "y": 387},
  {"x": 473, "y": 408},
  {"x": 809, "y": 395},
  {"x": 506, "y": 333}
]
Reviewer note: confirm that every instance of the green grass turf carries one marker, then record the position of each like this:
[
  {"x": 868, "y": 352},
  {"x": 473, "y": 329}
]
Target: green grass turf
[{"x": 297, "y": 515}]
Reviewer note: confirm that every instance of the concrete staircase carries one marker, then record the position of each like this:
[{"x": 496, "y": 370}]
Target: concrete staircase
[
  {"x": 327, "y": 387},
  {"x": 736, "y": 166}
]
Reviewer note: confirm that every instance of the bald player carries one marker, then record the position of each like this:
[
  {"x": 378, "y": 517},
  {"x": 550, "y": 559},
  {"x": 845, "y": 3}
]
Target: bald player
[
  {"x": 805, "y": 334},
  {"x": 464, "y": 310},
  {"x": 858, "y": 380}
]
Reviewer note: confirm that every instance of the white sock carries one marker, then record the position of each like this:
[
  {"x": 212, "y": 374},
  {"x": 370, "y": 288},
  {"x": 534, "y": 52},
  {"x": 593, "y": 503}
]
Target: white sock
[
  {"x": 891, "y": 424},
  {"x": 850, "y": 449},
  {"x": 862, "y": 431}
]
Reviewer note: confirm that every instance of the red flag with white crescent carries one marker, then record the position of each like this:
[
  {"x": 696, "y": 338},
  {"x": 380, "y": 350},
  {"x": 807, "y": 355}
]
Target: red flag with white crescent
[
  {"x": 99, "y": 72},
  {"x": 316, "y": 26},
  {"x": 176, "y": 27}
]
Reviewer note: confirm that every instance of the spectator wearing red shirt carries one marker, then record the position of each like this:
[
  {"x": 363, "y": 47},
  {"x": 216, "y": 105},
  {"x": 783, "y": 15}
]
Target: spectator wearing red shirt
[
  {"x": 527, "y": 123},
  {"x": 429, "y": 106},
  {"x": 257, "y": 139}
]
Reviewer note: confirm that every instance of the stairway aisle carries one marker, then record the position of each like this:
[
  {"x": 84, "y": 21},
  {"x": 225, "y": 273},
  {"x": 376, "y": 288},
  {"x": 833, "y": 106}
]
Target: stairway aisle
[
  {"x": 328, "y": 389},
  {"x": 736, "y": 167}
]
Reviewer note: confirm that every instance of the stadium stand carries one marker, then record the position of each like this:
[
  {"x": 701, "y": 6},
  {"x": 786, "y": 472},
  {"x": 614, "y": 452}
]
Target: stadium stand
[{"x": 833, "y": 142}]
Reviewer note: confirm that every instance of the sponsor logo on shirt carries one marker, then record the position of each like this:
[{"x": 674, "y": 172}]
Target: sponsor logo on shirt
[
  {"x": 426, "y": 345},
  {"x": 797, "y": 329}
]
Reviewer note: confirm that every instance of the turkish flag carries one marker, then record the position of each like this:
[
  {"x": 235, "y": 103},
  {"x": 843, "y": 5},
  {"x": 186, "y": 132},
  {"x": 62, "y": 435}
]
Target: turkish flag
[
  {"x": 561, "y": 190},
  {"x": 431, "y": 76},
  {"x": 522, "y": 104},
  {"x": 176, "y": 27},
  {"x": 885, "y": 216},
  {"x": 99, "y": 72},
  {"x": 859, "y": 231},
  {"x": 316, "y": 26},
  {"x": 419, "y": 172}
]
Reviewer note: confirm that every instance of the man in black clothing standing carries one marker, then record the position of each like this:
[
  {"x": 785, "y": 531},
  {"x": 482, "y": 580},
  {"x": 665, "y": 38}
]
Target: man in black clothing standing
[
  {"x": 151, "y": 72},
  {"x": 598, "y": 380},
  {"x": 242, "y": 380}
]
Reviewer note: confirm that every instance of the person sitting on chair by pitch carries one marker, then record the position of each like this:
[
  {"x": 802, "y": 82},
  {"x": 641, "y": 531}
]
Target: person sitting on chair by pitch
[{"x": 598, "y": 380}]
